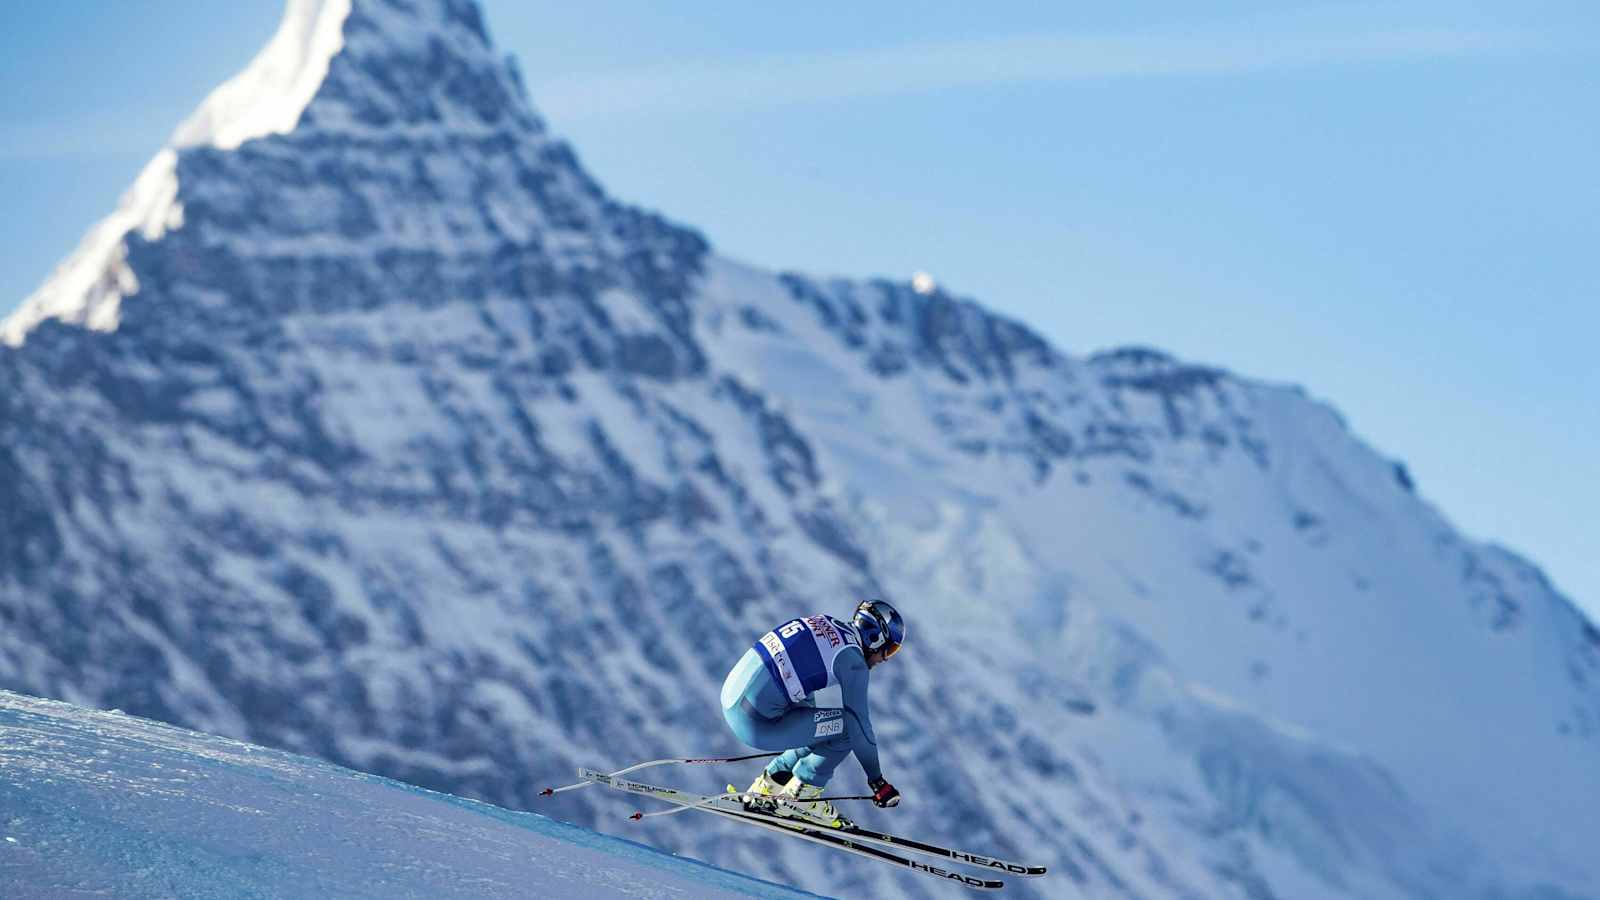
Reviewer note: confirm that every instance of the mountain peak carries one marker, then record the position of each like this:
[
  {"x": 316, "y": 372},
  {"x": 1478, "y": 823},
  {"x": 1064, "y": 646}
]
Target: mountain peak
[
  {"x": 354, "y": 63},
  {"x": 367, "y": 70},
  {"x": 269, "y": 96},
  {"x": 407, "y": 64}
]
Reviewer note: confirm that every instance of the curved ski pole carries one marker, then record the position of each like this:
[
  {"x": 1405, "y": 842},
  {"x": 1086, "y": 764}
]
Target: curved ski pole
[
  {"x": 707, "y": 801},
  {"x": 660, "y": 762},
  {"x": 731, "y": 795}
]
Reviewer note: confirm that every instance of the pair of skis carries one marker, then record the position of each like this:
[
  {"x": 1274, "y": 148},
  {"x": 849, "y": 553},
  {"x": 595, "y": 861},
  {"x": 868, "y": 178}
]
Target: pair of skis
[{"x": 852, "y": 839}]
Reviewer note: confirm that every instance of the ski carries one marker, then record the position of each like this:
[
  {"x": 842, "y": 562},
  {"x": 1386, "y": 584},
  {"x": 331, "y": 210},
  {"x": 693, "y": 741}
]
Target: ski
[
  {"x": 732, "y": 802},
  {"x": 838, "y": 839},
  {"x": 904, "y": 843}
]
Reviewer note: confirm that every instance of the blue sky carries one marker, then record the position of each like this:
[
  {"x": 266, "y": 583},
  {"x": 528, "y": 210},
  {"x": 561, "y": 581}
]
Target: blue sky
[{"x": 1391, "y": 204}]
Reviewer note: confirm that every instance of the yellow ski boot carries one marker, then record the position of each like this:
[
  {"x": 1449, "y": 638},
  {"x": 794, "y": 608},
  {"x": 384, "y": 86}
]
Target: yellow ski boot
[
  {"x": 764, "y": 786},
  {"x": 797, "y": 795}
]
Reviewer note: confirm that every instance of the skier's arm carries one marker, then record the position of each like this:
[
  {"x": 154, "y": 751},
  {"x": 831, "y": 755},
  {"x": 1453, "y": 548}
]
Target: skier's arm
[{"x": 850, "y": 668}]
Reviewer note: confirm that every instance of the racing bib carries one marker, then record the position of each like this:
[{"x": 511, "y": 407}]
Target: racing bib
[{"x": 799, "y": 653}]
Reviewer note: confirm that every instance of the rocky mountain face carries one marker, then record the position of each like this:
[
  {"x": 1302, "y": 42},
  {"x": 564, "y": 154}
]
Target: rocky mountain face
[{"x": 370, "y": 426}]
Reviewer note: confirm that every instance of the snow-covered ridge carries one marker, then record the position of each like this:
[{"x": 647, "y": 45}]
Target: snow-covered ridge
[
  {"x": 268, "y": 97},
  {"x": 87, "y": 288},
  {"x": 271, "y": 93},
  {"x": 272, "y": 96}
]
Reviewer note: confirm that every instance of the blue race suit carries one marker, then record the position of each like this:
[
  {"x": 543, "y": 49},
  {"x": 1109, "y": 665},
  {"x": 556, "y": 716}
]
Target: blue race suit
[{"x": 767, "y": 699}]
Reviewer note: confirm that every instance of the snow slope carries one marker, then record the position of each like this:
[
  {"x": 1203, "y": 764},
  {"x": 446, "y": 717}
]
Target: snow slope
[
  {"x": 394, "y": 440},
  {"x": 104, "y": 804}
]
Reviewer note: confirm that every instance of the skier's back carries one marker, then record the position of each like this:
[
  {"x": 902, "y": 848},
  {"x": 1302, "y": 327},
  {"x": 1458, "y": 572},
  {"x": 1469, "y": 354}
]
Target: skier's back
[{"x": 768, "y": 702}]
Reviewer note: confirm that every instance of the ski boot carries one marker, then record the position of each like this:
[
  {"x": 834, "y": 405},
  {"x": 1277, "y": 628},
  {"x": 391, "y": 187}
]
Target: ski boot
[
  {"x": 765, "y": 785},
  {"x": 799, "y": 796}
]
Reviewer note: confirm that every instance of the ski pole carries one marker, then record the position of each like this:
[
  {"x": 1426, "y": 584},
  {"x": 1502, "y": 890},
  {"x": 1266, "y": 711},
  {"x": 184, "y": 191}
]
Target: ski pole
[
  {"x": 661, "y": 762},
  {"x": 685, "y": 808},
  {"x": 742, "y": 795}
]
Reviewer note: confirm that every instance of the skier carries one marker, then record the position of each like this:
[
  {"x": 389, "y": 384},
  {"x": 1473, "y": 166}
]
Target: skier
[{"x": 767, "y": 701}]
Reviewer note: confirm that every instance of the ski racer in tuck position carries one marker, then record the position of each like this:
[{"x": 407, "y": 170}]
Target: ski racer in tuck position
[{"x": 768, "y": 702}]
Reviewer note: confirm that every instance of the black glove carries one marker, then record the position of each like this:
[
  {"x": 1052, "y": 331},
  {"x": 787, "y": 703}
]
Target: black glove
[{"x": 883, "y": 793}]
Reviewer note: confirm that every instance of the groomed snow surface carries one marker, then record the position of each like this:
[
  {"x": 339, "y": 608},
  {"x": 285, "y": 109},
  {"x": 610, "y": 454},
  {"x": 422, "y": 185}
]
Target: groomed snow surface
[{"x": 100, "y": 804}]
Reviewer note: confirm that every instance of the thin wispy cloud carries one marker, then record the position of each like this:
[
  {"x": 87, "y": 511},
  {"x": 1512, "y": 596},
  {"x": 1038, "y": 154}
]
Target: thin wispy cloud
[
  {"x": 770, "y": 81},
  {"x": 778, "y": 80}
]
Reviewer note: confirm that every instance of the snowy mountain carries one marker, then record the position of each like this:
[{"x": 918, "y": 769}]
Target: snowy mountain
[
  {"x": 106, "y": 804},
  {"x": 370, "y": 427}
]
